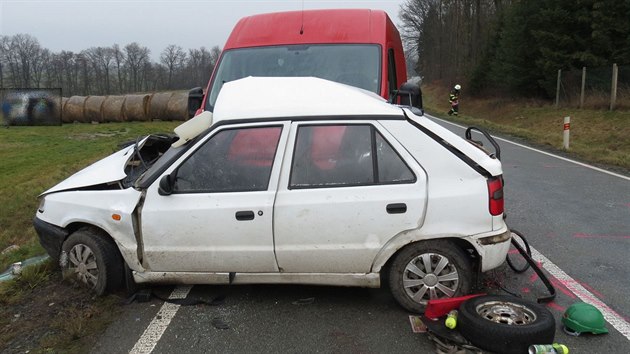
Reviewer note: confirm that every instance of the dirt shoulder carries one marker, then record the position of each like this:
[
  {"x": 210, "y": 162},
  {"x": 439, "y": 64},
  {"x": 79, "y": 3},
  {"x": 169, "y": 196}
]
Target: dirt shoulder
[{"x": 41, "y": 314}]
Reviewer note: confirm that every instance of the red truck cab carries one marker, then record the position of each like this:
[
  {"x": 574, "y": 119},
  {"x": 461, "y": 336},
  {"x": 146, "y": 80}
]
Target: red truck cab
[{"x": 357, "y": 47}]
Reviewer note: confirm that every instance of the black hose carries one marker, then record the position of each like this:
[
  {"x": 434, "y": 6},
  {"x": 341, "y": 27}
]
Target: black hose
[{"x": 512, "y": 263}]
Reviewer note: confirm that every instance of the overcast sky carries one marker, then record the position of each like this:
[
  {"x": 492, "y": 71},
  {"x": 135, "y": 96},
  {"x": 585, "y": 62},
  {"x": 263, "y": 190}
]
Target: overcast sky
[{"x": 79, "y": 24}]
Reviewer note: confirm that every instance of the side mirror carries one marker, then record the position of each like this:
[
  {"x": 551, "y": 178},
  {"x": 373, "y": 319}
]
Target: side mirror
[
  {"x": 166, "y": 185},
  {"x": 195, "y": 99},
  {"x": 410, "y": 95}
]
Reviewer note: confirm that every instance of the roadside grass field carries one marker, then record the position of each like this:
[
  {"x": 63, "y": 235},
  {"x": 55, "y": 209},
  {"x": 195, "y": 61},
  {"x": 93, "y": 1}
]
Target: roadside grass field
[
  {"x": 36, "y": 158},
  {"x": 597, "y": 136}
]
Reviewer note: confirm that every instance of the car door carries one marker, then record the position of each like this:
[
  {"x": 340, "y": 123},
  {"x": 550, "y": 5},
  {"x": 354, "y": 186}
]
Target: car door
[
  {"x": 346, "y": 191},
  {"x": 219, "y": 216}
]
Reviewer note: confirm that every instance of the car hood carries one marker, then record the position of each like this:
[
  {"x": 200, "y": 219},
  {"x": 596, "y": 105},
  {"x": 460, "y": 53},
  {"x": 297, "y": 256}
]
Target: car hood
[{"x": 108, "y": 170}]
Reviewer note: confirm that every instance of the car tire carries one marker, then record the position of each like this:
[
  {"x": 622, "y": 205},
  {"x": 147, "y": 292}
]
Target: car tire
[
  {"x": 505, "y": 324},
  {"x": 412, "y": 286},
  {"x": 92, "y": 260}
]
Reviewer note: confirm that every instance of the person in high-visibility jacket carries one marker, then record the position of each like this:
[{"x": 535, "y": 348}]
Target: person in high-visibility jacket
[{"x": 453, "y": 98}]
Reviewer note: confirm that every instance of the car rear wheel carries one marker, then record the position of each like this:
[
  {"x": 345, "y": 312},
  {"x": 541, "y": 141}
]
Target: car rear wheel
[
  {"x": 92, "y": 261},
  {"x": 429, "y": 270}
]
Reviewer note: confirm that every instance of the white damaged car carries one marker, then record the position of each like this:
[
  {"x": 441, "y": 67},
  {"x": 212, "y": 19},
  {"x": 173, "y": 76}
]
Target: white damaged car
[{"x": 290, "y": 180}]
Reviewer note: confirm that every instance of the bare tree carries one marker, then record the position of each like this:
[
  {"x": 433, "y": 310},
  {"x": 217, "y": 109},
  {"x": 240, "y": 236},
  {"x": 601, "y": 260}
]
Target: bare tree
[
  {"x": 136, "y": 59},
  {"x": 172, "y": 57},
  {"x": 40, "y": 63},
  {"x": 101, "y": 60},
  {"x": 119, "y": 58},
  {"x": 27, "y": 49},
  {"x": 102, "y": 70}
]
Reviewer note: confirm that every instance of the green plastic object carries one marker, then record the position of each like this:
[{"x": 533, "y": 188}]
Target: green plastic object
[{"x": 582, "y": 317}]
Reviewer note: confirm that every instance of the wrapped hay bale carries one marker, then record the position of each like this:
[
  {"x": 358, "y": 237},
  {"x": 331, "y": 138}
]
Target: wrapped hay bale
[
  {"x": 158, "y": 104},
  {"x": 135, "y": 108},
  {"x": 112, "y": 109},
  {"x": 178, "y": 106},
  {"x": 73, "y": 110},
  {"x": 92, "y": 108}
]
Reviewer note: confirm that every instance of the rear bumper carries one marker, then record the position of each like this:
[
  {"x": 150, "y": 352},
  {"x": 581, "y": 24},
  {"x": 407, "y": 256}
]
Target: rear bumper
[
  {"x": 51, "y": 237},
  {"x": 493, "y": 249}
]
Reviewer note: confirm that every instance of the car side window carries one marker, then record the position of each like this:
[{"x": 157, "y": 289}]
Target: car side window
[
  {"x": 391, "y": 167},
  {"x": 343, "y": 155},
  {"x": 231, "y": 160}
]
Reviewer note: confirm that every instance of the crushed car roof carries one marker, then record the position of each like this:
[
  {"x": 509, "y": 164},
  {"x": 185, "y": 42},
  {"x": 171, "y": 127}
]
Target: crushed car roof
[{"x": 268, "y": 97}]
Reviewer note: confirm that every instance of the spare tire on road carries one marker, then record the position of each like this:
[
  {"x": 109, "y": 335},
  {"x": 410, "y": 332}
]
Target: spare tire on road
[{"x": 505, "y": 324}]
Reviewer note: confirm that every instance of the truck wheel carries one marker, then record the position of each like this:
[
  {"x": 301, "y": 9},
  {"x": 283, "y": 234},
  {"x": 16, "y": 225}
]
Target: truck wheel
[
  {"x": 427, "y": 270},
  {"x": 91, "y": 260},
  {"x": 505, "y": 324}
]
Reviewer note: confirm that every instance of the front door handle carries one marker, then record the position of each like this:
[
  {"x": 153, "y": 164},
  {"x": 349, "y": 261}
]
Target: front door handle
[
  {"x": 244, "y": 215},
  {"x": 396, "y": 208}
]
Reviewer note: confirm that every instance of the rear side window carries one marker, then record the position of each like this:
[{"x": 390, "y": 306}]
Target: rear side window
[
  {"x": 391, "y": 167},
  {"x": 231, "y": 160},
  {"x": 345, "y": 155}
]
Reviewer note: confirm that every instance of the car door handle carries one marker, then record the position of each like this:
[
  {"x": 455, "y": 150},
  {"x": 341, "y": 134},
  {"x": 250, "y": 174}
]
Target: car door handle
[
  {"x": 396, "y": 208},
  {"x": 244, "y": 215}
]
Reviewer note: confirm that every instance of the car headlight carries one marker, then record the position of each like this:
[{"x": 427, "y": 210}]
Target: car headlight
[{"x": 42, "y": 201}]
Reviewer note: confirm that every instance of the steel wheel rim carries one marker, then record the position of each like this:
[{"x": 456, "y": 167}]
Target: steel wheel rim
[
  {"x": 506, "y": 312},
  {"x": 430, "y": 276},
  {"x": 82, "y": 264}
]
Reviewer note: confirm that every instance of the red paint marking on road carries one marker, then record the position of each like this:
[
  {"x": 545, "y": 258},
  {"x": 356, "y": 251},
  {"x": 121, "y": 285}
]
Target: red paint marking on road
[
  {"x": 562, "y": 286},
  {"x": 590, "y": 288},
  {"x": 554, "y": 306},
  {"x": 526, "y": 290},
  {"x": 534, "y": 276},
  {"x": 581, "y": 235}
]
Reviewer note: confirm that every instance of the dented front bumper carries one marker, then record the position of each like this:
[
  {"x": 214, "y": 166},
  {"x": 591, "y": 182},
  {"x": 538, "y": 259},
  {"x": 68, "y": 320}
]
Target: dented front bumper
[{"x": 51, "y": 237}]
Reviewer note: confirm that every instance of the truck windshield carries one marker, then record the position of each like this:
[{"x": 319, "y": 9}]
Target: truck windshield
[{"x": 357, "y": 65}]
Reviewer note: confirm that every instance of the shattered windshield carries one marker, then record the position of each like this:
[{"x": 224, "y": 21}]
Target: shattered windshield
[{"x": 352, "y": 64}]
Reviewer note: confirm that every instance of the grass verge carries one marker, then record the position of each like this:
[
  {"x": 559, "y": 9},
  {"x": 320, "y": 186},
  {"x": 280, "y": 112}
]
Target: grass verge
[
  {"x": 597, "y": 136},
  {"x": 36, "y": 158},
  {"x": 38, "y": 312}
]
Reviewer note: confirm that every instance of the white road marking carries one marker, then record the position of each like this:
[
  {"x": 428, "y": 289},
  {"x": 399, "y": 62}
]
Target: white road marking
[
  {"x": 160, "y": 322},
  {"x": 576, "y": 288},
  {"x": 541, "y": 152}
]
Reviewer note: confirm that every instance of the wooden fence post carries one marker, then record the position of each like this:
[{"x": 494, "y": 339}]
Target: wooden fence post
[
  {"x": 583, "y": 86},
  {"x": 613, "y": 89},
  {"x": 558, "y": 88}
]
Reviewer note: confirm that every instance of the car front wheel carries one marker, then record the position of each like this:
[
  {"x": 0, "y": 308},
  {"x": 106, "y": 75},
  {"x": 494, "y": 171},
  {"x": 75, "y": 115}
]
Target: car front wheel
[
  {"x": 92, "y": 261},
  {"x": 428, "y": 270}
]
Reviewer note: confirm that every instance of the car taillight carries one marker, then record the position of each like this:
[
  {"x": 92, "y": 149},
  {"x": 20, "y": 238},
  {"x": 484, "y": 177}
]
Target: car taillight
[{"x": 495, "y": 195}]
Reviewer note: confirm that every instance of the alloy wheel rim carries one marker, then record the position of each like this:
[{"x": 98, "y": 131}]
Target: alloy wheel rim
[
  {"x": 82, "y": 263},
  {"x": 506, "y": 312},
  {"x": 430, "y": 276}
]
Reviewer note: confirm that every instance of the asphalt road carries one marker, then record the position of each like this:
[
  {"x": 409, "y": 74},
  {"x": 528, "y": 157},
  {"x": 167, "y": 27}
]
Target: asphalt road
[{"x": 577, "y": 217}]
